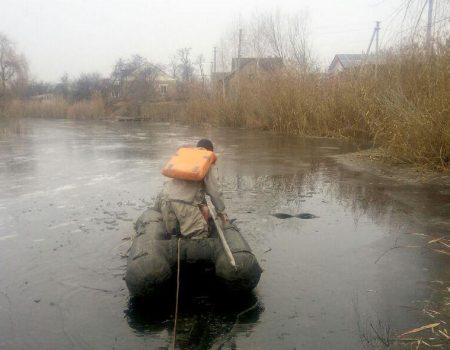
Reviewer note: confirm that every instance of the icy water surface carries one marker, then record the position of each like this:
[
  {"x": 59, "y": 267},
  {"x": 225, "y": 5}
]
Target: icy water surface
[{"x": 70, "y": 192}]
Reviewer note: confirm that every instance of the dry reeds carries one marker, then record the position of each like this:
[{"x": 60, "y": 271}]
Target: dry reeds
[
  {"x": 87, "y": 109},
  {"x": 56, "y": 108},
  {"x": 402, "y": 105},
  {"x": 160, "y": 111},
  {"x": 36, "y": 109}
]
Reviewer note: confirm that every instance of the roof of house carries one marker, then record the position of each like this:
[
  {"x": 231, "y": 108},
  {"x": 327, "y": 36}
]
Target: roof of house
[
  {"x": 266, "y": 63},
  {"x": 160, "y": 74},
  {"x": 349, "y": 60},
  {"x": 163, "y": 76},
  {"x": 219, "y": 75}
]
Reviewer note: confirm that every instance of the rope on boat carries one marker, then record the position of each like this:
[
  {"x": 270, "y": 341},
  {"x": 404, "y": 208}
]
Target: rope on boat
[{"x": 176, "y": 296}]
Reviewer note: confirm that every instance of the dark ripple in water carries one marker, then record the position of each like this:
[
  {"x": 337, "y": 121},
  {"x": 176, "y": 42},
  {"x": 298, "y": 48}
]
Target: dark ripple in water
[{"x": 299, "y": 216}]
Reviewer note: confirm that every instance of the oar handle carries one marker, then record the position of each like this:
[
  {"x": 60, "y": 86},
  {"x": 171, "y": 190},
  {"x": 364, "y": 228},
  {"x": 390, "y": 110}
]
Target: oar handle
[{"x": 225, "y": 245}]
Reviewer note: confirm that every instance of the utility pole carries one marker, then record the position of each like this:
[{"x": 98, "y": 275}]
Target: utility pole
[
  {"x": 239, "y": 50},
  {"x": 223, "y": 76},
  {"x": 377, "y": 29},
  {"x": 215, "y": 59},
  {"x": 429, "y": 44},
  {"x": 375, "y": 35},
  {"x": 239, "y": 60},
  {"x": 377, "y": 60}
]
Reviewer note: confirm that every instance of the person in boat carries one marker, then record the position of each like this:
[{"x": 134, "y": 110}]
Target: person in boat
[{"x": 182, "y": 201}]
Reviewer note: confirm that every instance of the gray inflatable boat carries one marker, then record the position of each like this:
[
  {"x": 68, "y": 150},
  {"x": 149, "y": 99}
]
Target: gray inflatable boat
[{"x": 152, "y": 260}]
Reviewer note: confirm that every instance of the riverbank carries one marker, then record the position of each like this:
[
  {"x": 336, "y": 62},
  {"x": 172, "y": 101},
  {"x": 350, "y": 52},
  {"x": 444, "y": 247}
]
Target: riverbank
[
  {"x": 403, "y": 182},
  {"x": 376, "y": 162}
]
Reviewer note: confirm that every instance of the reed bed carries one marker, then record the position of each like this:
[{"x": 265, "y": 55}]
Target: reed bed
[
  {"x": 160, "y": 111},
  {"x": 36, "y": 109},
  {"x": 402, "y": 106},
  {"x": 56, "y": 108},
  {"x": 87, "y": 109}
]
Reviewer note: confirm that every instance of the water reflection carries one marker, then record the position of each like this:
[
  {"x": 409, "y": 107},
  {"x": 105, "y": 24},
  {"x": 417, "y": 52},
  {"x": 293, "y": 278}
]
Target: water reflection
[
  {"x": 205, "y": 321},
  {"x": 385, "y": 202}
]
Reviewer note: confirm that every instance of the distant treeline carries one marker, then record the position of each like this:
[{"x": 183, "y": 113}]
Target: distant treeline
[{"x": 133, "y": 84}]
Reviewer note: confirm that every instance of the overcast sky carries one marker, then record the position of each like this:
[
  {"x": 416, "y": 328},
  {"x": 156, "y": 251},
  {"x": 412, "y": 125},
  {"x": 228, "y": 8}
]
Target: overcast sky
[{"x": 75, "y": 36}]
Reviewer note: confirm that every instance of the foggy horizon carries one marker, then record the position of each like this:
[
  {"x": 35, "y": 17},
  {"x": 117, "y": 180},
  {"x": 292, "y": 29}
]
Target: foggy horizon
[{"x": 75, "y": 37}]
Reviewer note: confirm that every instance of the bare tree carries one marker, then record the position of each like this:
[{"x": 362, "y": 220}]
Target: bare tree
[
  {"x": 275, "y": 33},
  {"x": 63, "y": 87},
  {"x": 256, "y": 45},
  {"x": 38, "y": 88},
  {"x": 134, "y": 78},
  {"x": 272, "y": 34},
  {"x": 299, "y": 47},
  {"x": 13, "y": 67},
  {"x": 142, "y": 86},
  {"x": 228, "y": 46},
  {"x": 185, "y": 66},
  {"x": 118, "y": 77},
  {"x": 200, "y": 62},
  {"x": 287, "y": 37},
  {"x": 174, "y": 66},
  {"x": 86, "y": 85}
]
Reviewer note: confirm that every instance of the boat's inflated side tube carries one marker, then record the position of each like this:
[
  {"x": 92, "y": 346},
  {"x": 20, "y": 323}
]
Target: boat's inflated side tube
[
  {"x": 153, "y": 257},
  {"x": 247, "y": 273},
  {"x": 148, "y": 266}
]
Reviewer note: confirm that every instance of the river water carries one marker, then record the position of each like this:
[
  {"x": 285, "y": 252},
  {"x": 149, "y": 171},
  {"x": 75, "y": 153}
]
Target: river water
[{"x": 358, "y": 271}]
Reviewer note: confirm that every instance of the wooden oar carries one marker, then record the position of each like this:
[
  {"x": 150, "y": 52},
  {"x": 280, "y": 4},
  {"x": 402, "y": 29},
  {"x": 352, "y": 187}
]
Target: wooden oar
[{"x": 225, "y": 245}]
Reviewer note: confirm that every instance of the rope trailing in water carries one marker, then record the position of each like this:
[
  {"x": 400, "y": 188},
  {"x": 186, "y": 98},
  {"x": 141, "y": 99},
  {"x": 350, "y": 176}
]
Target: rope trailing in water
[
  {"x": 230, "y": 333},
  {"x": 176, "y": 296}
]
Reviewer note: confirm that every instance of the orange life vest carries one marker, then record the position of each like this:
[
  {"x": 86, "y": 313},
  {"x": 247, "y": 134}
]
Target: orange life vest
[{"x": 190, "y": 164}]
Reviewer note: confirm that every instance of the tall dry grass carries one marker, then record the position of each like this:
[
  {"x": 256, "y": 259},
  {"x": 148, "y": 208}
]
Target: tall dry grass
[
  {"x": 87, "y": 109},
  {"x": 403, "y": 106},
  {"x": 160, "y": 111},
  {"x": 55, "y": 108},
  {"x": 36, "y": 109}
]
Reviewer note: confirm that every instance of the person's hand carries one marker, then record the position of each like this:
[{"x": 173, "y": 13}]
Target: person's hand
[
  {"x": 224, "y": 218},
  {"x": 205, "y": 211}
]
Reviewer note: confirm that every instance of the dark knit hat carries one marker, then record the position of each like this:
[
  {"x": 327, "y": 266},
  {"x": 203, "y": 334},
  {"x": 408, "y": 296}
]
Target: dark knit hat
[{"x": 205, "y": 143}]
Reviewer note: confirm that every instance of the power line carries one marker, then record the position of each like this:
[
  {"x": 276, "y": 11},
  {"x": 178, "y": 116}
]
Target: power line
[
  {"x": 442, "y": 20},
  {"x": 416, "y": 28},
  {"x": 419, "y": 18},
  {"x": 429, "y": 22},
  {"x": 395, "y": 13},
  {"x": 341, "y": 31},
  {"x": 389, "y": 20},
  {"x": 419, "y": 27}
]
